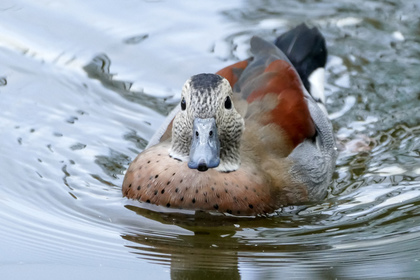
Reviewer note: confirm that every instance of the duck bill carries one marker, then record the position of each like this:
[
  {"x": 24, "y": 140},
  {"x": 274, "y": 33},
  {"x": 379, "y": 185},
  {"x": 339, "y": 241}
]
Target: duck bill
[{"x": 205, "y": 145}]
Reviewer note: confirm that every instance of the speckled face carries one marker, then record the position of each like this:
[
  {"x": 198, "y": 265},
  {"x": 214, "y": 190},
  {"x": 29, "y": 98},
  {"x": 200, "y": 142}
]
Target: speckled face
[{"x": 208, "y": 96}]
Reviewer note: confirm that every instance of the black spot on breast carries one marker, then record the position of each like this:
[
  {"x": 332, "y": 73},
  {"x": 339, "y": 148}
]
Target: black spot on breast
[
  {"x": 148, "y": 201},
  {"x": 168, "y": 182},
  {"x": 226, "y": 191},
  {"x": 129, "y": 186},
  {"x": 168, "y": 205},
  {"x": 193, "y": 200},
  {"x": 162, "y": 191},
  {"x": 176, "y": 190},
  {"x": 181, "y": 181},
  {"x": 196, "y": 191},
  {"x": 182, "y": 198},
  {"x": 229, "y": 211},
  {"x": 157, "y": 175},
  {"x": 156, "y": 192},
  {"x": 138, "y": 188},
  {"x": 216, "y": 206},
  {"x": 251, "y": 206},
  {"x": 148, "y": 162}
]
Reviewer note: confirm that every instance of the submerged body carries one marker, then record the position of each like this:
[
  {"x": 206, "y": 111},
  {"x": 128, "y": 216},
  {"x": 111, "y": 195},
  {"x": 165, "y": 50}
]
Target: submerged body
[{"x": 244, "y": 141}]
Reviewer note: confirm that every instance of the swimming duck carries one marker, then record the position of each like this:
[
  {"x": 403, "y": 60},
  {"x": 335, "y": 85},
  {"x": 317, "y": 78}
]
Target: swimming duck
[{"x": 246, "y": 140}]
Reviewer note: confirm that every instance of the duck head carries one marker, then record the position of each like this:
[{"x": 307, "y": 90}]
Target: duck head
[{"x": 207, "y": 130}]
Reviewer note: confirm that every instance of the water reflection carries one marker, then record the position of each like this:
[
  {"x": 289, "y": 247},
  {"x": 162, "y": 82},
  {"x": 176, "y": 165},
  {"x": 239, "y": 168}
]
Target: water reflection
[
  {"x": 203, "y": 253},
  {"x": 363, "y": 228},
  {"x": 70, "y": 125},
  {"x": 311, "y": 238},
  {"x": 212, "y": 245},
  {"x": 99, "y": 69}
]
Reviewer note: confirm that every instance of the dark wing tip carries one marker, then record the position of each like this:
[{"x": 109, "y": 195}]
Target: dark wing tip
[{"x": 306, "y": 49}]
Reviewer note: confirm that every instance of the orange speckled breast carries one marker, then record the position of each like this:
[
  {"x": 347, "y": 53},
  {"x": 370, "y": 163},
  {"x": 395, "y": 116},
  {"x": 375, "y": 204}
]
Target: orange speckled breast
[{"x": 171, "y": 183}]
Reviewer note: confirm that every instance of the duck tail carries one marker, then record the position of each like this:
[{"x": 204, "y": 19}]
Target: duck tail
[{"x": 306, "y": 49}]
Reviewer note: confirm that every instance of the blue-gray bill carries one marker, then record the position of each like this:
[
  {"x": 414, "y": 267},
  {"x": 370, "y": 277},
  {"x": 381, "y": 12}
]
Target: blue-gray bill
[{"x": 205, "y": 145}]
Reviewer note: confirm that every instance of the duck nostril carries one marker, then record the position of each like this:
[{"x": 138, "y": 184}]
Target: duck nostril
[
  {"x": 202, "y": 167},
  {"x": 211, "y": 133},
  {"x": 196, "y": 133}
]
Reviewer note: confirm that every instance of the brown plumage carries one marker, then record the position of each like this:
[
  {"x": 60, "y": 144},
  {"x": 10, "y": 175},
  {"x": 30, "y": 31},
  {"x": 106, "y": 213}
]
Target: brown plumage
[{"x": 276, "y": 145}]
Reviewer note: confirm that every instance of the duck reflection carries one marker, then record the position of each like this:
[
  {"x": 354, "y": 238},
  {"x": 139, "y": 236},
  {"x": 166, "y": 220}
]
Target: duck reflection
[
  {"x": 213, "y": 245},
  {"x": 208, "y": 250}
]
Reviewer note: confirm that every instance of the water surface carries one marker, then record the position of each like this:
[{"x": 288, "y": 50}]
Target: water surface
[{"x": 84, "y": 84}]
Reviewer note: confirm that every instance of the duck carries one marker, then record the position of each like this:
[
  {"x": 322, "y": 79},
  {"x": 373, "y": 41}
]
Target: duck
[{"x": 248, "y": 140}]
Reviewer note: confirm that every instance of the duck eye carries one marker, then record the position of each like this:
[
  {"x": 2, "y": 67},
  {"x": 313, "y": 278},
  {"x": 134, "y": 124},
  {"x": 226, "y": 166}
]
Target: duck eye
[
  {"x": 228, "y": 103},
  {"x": 183, "y": 104}
]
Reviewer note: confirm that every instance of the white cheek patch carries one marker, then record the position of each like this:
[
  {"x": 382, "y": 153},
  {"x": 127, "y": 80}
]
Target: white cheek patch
[
  {"x": 317, "y": 79},
  {"x": 227, "y": 167}
]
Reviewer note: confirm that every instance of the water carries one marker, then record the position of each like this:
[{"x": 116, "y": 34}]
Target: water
[{"x": 84, "y": 84}]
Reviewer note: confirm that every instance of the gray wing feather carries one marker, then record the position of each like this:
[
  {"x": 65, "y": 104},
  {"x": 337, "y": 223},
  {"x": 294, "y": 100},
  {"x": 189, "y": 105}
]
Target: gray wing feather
[{"x": 315, "y": 160}]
